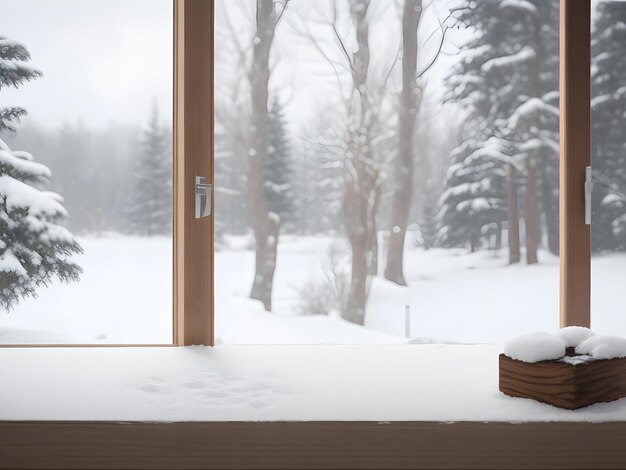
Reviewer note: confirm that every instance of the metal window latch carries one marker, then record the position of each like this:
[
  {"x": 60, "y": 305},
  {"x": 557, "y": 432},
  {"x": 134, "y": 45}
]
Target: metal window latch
[
  {"x": 203, "y": 197},
  {"x": 588, "y": 191}
]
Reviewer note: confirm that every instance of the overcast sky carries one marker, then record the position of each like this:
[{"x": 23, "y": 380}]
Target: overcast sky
[{"x": 104, "y": 61}]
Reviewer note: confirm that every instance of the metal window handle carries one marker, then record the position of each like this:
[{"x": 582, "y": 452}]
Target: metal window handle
[
  {"x": 203, "y": 197},
  {"x": 588, "y": 191}
]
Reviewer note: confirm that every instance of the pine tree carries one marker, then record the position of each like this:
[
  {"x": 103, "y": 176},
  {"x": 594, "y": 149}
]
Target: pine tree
[
  {"x": 608, "y": 134},
  {"x": 507, "y": 79},
  {"x": 277, "y": 167},
  {"x": 14, "y": 71},
  {"x": 150, "y": 210},
  {"x": 473, "y": 200},
  {"x": 34, "y": 248}
]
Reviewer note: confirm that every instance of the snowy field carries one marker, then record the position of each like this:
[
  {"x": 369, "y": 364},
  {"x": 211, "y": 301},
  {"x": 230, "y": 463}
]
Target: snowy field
[
  {"x": 453, "y": 296},
  {"x": 124, "y": 296}
]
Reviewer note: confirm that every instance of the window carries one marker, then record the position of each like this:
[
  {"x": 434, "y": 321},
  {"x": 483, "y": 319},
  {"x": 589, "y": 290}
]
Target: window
[
  {"x": 99, "y": 149},
  {"x": 97, "y": 89},
  {"x": 608, "y": 160},
  {"x": 410, "y": 198},
  {"x": 311, "y": 276},
  {"x": 29, "y": 445}
]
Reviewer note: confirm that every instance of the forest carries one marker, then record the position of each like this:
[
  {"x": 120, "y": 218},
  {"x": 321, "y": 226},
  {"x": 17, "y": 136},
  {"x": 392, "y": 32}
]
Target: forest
[
  {"x": 367, "y": 155},
  {"x": 443, "y": 131}
]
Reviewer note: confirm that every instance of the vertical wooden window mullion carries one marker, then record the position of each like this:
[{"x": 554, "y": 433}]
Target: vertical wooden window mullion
[
  {"x": 193, "y": 147},
  {"x": 575, "y": 132}
]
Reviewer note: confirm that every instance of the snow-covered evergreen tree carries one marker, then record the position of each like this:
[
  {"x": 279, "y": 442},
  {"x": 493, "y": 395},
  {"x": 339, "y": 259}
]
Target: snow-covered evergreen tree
[
  {"x": 473, "y": 201},
  {"x": 150, "y": 209},
  {"x": 14, "y": 71},
  {"x": 609, "y": 127},
  {"x": 34, "y": 247},
  {"x": 277, "y": 166},
  {"x": 507, "y": 80}
]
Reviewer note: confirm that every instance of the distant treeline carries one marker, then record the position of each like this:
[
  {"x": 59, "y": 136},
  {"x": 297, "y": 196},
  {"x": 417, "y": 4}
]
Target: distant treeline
[{"x": 102, "y": 173}]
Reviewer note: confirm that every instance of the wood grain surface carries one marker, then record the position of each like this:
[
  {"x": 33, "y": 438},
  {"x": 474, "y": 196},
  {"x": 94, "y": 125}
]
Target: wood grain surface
[
  {"x": 575, "y": 136},
  {"x": 292, "y": 445},
  {"x": 193, "y": 150},
  {"x": 564, "y": 385}
]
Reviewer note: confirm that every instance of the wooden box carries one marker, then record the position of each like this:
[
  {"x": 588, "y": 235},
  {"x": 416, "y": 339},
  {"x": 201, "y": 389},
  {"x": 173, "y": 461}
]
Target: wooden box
[{"x": 563, "y": 384}]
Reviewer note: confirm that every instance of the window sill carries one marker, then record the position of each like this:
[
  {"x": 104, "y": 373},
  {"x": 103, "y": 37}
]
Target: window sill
[
  {"x": 412, "y": 406},
  {"x": 435, "y": 383}
]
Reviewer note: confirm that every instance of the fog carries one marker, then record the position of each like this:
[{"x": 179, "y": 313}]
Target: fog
[{"x": 103, "y": 62}]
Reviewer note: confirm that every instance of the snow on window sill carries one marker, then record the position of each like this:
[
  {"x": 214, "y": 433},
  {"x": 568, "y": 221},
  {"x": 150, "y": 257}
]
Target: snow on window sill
[{"x": 269, "y": 383}]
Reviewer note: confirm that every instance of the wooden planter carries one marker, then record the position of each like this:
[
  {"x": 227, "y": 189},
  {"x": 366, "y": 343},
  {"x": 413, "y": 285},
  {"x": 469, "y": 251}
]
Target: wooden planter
[{"x": 564, "y": 385}]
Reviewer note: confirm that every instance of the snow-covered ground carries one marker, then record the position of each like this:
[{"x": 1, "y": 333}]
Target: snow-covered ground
[
  {"x": 265, "y": 383},
  {"x": 453, "y": 296},
  {"x": 124, "y": 296}
]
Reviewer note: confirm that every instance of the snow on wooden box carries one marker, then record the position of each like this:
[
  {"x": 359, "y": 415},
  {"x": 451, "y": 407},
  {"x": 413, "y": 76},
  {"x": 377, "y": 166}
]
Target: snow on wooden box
[
  {"x": 570, "y": 369},
  {"x": 565, "y": 383}
]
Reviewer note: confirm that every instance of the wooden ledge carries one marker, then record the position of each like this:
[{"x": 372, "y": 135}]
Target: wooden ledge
[{"x": 338, "y": 445}]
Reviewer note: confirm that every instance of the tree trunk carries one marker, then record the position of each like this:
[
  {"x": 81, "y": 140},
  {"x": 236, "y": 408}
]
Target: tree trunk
[
  {"x": 266, "y": 262},
  {"x": 372, "y": 268},
  {"x": 373, "y": 257},
  {"x": 357, "y": 293},
  {"x": 531, "y": 213},
  {"x": 550, "y": 205},
  {"x": 361, "y": 175},
  {"x": 264, "y": 225},
  {"x": 408, "y": 107},
  {"x": 513, "y": 217},
  {"x": 372, "y": 265},
  {"x": 531, "y": 210},
  {"x": 498, "y": 241}
]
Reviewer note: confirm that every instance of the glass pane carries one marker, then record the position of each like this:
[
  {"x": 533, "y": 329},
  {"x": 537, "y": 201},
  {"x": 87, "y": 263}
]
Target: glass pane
[
  {"x": 85, "y": 171},
  {"x": 608, "y": 229},
  {"x": 402, "y": 160}
]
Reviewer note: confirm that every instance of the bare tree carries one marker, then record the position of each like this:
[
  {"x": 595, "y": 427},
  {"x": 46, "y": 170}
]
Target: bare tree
[
  {"x": 357, "y": 144},
  {"x": 407, "y": 110},
  {"x": 265, "y": 224},
  {"x": 361, "y": 175}
]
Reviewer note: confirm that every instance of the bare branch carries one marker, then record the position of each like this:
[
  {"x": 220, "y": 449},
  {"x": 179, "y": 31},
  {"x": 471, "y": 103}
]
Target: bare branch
[
  {"x": 241, "y": 51},
  {"x": 393, "y": 65},
  {"x": 306, "y": 33},
  {"x": 282, "y": 12},
  {"x": 444, "y": 30},
  {"x": 338, "y": 37}
]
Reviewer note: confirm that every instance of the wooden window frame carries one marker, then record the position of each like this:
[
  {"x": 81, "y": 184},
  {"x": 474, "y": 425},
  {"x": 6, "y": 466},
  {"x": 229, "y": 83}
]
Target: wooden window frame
[
  {"x": 193, "y": 156},
  {"x": 70, "y": 444},
  {"x": 575, "y": 156}
]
